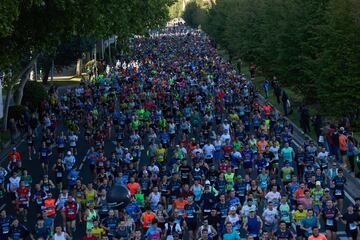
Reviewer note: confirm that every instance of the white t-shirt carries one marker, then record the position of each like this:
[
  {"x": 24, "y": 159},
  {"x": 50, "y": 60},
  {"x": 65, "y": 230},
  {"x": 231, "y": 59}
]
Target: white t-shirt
[
  {"x": 208, "y": 150},
  {"x": 270, "y": 216},
  {"x": 272, "y": 196},
  {"x": 246, "y": 209},
  {"x": 172, "y": 128},
  {"x": 323, "y": 155},
  {"x": 226, "y": 127},
  {"x": 72, "y": 140},
  {"x": 275, "y": 151},
  {"x": 224, "y": 137},
  {"x": 14, "y": 183}
]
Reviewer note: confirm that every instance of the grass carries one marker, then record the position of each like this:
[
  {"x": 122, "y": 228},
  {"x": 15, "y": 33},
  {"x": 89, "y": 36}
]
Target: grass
[
  {"x": 293, "y": 96},
  {"x": 65, "y": 81}
]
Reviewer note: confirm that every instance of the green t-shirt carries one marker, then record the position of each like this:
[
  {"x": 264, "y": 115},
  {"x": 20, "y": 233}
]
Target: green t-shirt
[
  {"x": 140, "y": 199},
  {"x": 237, "y": 145},
  {"x": 287, "y": 173}
]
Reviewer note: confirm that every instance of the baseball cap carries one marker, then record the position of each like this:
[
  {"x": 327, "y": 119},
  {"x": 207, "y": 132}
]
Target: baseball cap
[
  {"x": 232, "y": 208},
  {"x": 207, "y": 182},
  {"x": 318, "y": 183},
  {"x": 68, "y": 153},
  {"x": 327, "y": 190},
  {"x": 251, "y": 210}
]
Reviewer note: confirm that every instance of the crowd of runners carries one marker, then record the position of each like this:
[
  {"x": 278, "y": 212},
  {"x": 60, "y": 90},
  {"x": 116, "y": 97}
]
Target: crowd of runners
[{"x": 204, "y": 157}]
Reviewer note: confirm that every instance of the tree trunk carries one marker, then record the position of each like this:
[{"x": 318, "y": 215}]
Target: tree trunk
[
  {"x": 46, "y": 73},
  {"x": 79, "y": 66},
  {"x": 7, "y": 104},
  {"x": 20, "y": 90}
]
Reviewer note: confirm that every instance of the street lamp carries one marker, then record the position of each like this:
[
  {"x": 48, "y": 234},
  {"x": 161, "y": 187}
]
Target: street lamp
[{"x": 2, "y": 77}]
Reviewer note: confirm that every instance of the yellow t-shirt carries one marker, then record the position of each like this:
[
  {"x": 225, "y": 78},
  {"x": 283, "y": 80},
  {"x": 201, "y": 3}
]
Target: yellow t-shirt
[
  {"x": 298, "y": 216},
  {"x": 98, "y": 232},
  {"x": 160, "y": 154}
]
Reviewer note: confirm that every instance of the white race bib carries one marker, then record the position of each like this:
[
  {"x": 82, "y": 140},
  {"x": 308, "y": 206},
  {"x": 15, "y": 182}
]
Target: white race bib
[{"x": 329, "y": 222}]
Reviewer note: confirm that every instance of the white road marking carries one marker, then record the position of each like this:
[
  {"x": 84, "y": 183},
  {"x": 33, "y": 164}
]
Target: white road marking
[{"x": 83, "y": 160}]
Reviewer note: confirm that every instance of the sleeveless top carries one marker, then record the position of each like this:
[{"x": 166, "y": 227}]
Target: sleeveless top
[
  {"x": 61, "y": 237},
  {"x": 235, "y": 221},
  {"x": 253, "y": 226}
]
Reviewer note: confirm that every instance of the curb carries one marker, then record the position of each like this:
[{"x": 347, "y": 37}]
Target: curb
[{"x": 298, "y": 139}]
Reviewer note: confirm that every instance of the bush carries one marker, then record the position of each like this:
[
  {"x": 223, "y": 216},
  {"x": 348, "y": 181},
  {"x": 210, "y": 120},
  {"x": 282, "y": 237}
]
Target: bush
[
  {"x": 34, "y": 93},
  {"x": 16, "y": 112}
]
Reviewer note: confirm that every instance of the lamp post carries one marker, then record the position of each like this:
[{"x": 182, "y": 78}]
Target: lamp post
[{"x": 2, "y": 77}]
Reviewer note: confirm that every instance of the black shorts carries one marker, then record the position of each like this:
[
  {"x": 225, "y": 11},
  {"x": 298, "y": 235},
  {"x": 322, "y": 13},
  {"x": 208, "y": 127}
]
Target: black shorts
[
  {"x": 337, "y": 197},
  {"x": 332, "y": 228},
  {"x": 299, "y": 231},
  {"x": 13, "y": 196},
  {"x": 172, "y": 136},
  {"x": 45, "y": 161},
  {"x": 58, "y": 179},
  {"x": 352, "y": 234},
  {"x": 24, "y": 206},
  {"x": 191, "y": 224},
  {"x": 92, "y": 167},
  {"x": 70, "y": 219}
]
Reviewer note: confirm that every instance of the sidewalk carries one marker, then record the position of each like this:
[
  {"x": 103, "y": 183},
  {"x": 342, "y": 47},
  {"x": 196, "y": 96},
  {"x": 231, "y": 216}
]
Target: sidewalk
[
  {"x": 352, "y": 189},
  {"x": 20, "y": 138}
]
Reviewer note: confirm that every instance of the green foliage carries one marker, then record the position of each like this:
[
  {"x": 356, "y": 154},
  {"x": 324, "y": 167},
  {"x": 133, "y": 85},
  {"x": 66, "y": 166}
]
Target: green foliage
[
  {"x": 176, "y": 9},
  {"x": 34, "y": 93},
  {"x": 37, "y": 26},
  {"x": 311, "y": 46},
  {"x": 9, "y": 11},
  {"x": 16, "y": 112},
  {"x": 195, "y": 14}
]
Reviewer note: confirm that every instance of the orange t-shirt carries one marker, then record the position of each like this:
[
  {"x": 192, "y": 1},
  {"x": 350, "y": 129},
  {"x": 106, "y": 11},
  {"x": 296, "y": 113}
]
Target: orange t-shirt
[
  {"x": 132, "y": 187},
  {"x": 148, "y": 219},
  {"x": 320, "y": 237},
  {"x": 342, "y": 142},
  {"x": 261, "y": 145},
  {"x": 180, "y": 206}
]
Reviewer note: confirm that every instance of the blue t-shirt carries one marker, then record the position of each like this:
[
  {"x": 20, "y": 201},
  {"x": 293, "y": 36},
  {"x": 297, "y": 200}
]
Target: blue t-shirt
[
  {"x": 287, "y": 153},
  {"x": 231, "y": 236},
  {"x": 153, "y": 233}
]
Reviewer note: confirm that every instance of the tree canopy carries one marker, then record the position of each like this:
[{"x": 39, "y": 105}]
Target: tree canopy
[
  {"x": 311, "y": 46},
  {"x": 33, "y": 28}
]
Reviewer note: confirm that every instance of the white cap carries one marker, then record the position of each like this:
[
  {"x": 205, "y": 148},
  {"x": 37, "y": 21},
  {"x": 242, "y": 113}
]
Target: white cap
[{"x": 207, "y": 182}]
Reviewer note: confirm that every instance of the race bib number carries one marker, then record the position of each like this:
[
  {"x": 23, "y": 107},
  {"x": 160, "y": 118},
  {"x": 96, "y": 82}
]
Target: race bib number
[
  {"x": 59, "y": 174},
  {"x": 352, "y": 226},
  {"x": 338, "y": 192},
  {"x": 329, "y": 222}
]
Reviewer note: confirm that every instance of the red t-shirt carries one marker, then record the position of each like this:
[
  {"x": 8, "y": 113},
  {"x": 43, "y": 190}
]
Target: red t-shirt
[{"x": 89, "y": 238}]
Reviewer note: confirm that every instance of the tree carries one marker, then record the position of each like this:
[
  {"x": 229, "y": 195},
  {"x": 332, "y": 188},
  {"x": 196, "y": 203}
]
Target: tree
[
  {"x": 38, "y": 27},
  {"x": 339, "y": 81},
  {"x": 195, "y": 13},
  {"x": 9, "y": 11}
]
